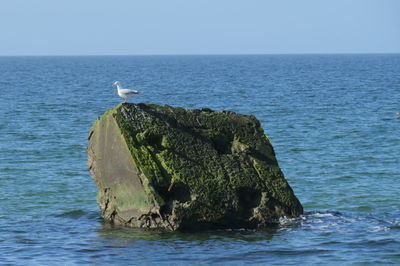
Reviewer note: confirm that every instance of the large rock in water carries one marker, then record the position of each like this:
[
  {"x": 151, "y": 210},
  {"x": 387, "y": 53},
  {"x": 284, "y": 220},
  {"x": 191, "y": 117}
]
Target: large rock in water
[{"x": 178, "y": 169}]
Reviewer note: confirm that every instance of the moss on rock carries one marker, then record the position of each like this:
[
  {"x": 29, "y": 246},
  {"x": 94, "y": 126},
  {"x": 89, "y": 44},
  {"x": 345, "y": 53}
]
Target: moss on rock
[{"x": 198, "y": 169}]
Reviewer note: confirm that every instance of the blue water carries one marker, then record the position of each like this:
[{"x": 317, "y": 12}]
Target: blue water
[{"x": 331, "y": 118}]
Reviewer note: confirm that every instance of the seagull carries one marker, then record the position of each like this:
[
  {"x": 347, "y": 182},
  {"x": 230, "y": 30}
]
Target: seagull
[{"x": 124, "y": 93}]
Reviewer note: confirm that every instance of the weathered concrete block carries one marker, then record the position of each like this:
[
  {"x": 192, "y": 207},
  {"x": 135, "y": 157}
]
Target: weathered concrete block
[{"x": 177, "y": 169}]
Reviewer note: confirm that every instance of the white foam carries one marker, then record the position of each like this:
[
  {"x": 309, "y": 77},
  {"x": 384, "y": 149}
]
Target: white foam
[
  {"x": 322, "y": 215},
  {"x": 378, "y": 229},
  {"x": 285, "y": 221}
]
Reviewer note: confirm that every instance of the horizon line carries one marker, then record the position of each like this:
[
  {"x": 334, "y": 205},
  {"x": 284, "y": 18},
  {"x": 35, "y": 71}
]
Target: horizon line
[{"x": 200, "y": 54}]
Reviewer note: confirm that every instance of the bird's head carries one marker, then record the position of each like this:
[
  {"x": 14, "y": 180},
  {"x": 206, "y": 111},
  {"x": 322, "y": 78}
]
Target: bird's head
[{"x": 115, "y": 83}]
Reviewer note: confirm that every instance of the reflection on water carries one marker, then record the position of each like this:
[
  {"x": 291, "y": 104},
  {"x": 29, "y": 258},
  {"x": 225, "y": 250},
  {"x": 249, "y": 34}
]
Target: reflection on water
[{"x": 108, "y": 230}]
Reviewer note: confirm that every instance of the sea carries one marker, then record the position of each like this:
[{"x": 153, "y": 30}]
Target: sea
[{"x": 333, "y": 120}]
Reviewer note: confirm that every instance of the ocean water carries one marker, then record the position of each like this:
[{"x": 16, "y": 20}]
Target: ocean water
[{"x": 331, "y": 118}]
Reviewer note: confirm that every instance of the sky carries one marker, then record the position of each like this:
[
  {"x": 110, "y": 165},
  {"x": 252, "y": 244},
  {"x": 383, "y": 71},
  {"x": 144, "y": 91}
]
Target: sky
[{"x": 152, "y": 27}]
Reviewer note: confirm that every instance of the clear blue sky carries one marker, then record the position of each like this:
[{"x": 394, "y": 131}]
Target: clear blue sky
[{"x": 112, "y": 27}]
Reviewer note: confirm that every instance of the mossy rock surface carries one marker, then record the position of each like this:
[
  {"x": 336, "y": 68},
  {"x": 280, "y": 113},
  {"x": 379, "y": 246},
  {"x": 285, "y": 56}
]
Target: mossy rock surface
[{"x": 182, "y": 169}]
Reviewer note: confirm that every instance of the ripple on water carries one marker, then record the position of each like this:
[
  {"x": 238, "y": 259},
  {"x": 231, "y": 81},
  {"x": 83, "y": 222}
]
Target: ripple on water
[{"x": 330, "y": 119}]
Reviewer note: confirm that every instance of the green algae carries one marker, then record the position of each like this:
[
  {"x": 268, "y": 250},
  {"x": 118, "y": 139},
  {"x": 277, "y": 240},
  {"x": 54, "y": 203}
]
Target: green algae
[{"x": 203, "y": 167}]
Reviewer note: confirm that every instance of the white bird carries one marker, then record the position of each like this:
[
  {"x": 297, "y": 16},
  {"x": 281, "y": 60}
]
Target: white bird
[{"x": 124, "y": 93}]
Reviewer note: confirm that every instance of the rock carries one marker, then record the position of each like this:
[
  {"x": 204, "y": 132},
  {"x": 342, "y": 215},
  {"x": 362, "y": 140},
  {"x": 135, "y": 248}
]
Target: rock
[{"x": 181, "y": 169}]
